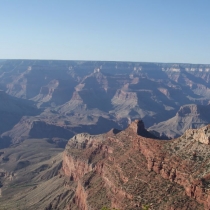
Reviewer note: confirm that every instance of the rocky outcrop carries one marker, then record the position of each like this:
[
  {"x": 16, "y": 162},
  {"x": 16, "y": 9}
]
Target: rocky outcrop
[
  {"x": 76, "y": 165},
  {"x": 126, "y": 161},
  {"x": 202, "y": 135},
  {"x": 138, "y": 128}
]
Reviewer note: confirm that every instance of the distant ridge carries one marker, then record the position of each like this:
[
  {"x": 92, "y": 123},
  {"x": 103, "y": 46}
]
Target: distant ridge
[{"x": 189, "y": 116}]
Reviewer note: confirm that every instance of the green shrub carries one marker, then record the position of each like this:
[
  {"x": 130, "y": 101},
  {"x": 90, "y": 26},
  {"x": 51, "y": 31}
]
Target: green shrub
[
  {"x": 145, "y": 207},
  {"x": 106, "y": 208}
]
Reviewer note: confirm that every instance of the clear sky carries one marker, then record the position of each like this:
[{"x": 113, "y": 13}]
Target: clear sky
[{"x": 121, "y": 30}]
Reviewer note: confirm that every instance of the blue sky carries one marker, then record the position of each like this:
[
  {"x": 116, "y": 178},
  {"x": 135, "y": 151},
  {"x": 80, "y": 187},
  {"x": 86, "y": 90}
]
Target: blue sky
[{"x": 121, "y": 30}]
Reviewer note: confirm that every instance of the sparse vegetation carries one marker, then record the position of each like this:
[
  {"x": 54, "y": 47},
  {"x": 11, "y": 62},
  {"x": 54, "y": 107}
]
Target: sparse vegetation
[
  {"x": 106, "y": 208},
  {"x": 145, "y": 207}
]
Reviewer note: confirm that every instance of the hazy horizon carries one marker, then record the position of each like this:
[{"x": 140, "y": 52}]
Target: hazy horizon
[{"x": 34, "y": 59}]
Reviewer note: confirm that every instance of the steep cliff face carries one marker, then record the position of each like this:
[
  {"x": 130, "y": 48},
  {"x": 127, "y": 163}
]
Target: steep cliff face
[
  {"x": 126, "y": 170},
  {"x": 75, "y": 164}
]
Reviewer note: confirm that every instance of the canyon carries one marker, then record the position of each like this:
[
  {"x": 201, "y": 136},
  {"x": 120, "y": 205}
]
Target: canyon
[
  {"x": 87, "y": 134},
  {"x": 95, "y": 96}
]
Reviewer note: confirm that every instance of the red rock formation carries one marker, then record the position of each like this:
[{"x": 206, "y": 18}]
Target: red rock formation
[{"x": 126, "y": 169}]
